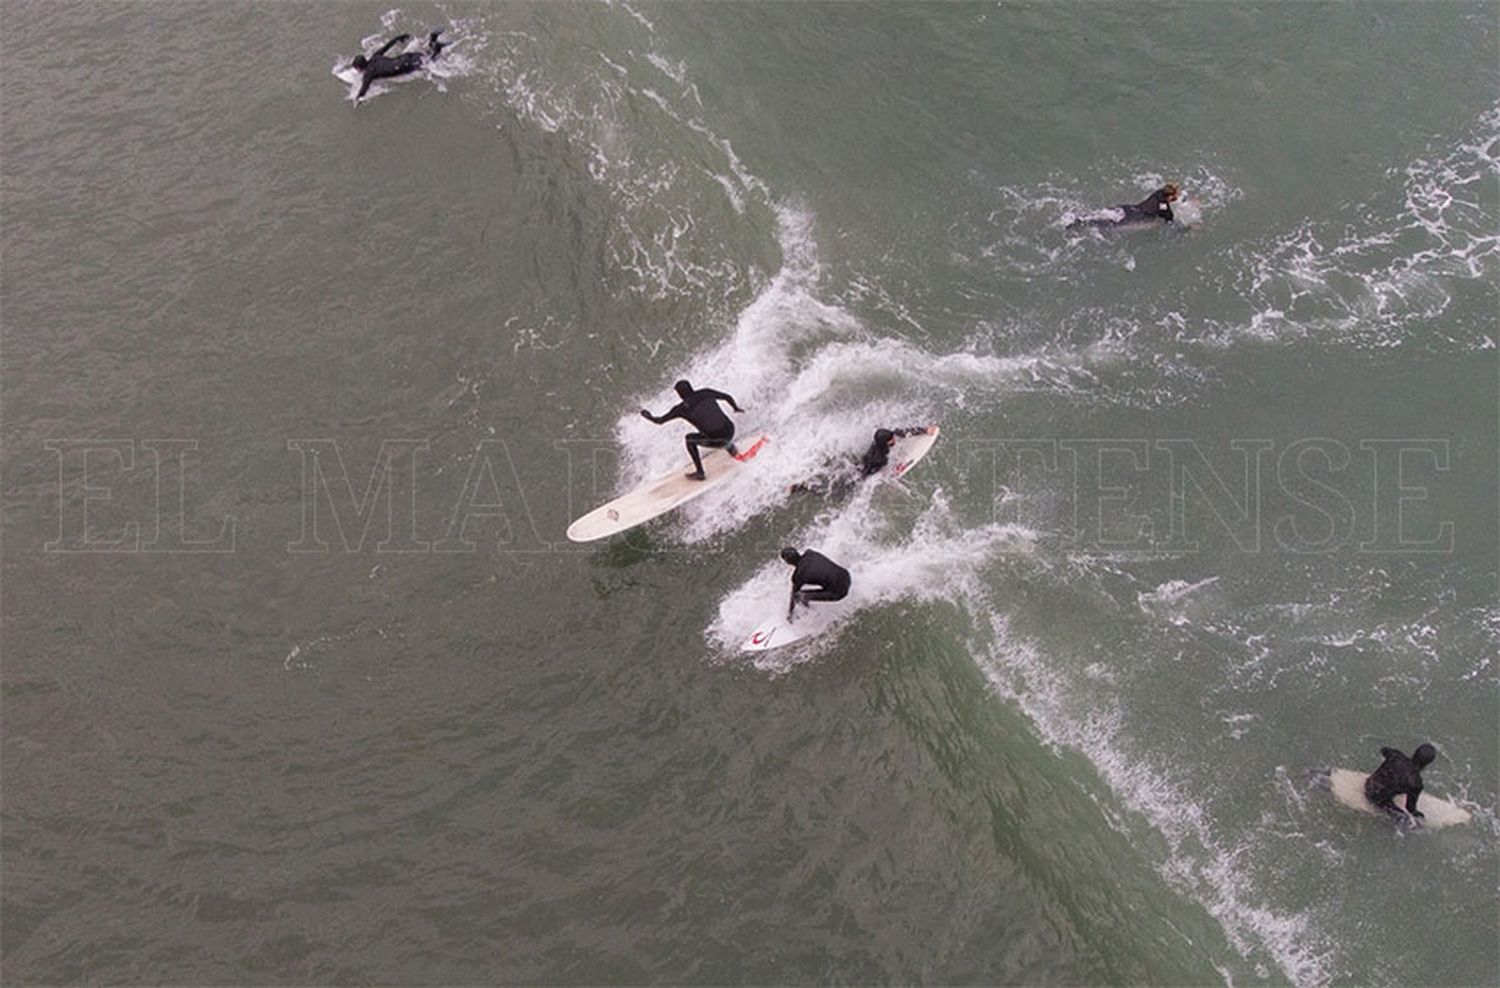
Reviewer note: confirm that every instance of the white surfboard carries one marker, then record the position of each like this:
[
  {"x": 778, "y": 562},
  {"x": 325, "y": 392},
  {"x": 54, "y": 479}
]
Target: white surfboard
[
  {"x": 775, "y": 632},
  {"x": 909, "y": 450},
  {"x": 353, "y": 78},
  {"x": 1349, "y": 788},
  {"x": 656, "y": 497}
]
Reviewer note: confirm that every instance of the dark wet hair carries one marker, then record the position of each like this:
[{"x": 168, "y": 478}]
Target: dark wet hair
[
  {"x": 684, "y": 389},
  {"x": 883, "y": 436},
  {"x": 360, "y": 62},
  {"x": 790, "y": 555},
  {"x": 1424, "y": 755}
]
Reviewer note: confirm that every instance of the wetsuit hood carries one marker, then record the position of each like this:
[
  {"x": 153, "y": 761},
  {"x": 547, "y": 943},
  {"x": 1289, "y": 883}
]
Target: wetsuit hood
[
  {"x": 1424, "y": 755},
  {"x": 684, "y": 389},
  {"x": 790, "y": 556},
  {"x": 360, "y": 62},
  {"x": 884, "y": 436}
]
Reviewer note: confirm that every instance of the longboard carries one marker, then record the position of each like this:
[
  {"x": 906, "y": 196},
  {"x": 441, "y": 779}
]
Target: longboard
[
  {"x": 1349, "y": 788},
  {"x": 656, "y": 497},
  {"x": 909, "y": 450}
]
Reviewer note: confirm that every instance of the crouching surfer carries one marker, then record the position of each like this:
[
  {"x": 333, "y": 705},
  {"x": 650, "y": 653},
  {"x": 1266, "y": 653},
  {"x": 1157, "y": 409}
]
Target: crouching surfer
[
  {"x": 829, "y": 580},
  {"x": 1398, "y": 776},
  {"x": 700, "y": 407}
]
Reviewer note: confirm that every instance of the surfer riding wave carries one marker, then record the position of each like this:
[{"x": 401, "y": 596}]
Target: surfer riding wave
[{"x": 701, "y": 408}]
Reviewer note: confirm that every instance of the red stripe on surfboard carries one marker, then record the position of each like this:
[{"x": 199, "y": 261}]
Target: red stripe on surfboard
[{"x": 749, "y": 453}]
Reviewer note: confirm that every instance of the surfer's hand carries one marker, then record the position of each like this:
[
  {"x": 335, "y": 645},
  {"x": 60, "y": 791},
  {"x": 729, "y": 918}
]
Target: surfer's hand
[{"x": 1419, "y": 814}]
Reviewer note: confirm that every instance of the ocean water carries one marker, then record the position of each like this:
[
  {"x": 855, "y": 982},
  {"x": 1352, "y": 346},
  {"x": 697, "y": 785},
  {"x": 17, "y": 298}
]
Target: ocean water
[{"x": 301, "y": 682}]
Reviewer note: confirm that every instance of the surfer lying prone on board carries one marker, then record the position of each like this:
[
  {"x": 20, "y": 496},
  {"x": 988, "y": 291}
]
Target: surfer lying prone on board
[
  {"x": 872, "y": 462},
  {"x": 701, "y": 408},
  {"x": 879, "y": 453},
  {"x": 1399, "y": 775},
  {"x": 1155, "y": 208},
  {"x": 382, "y": 66},
  {"x": 831, "y": 581}
]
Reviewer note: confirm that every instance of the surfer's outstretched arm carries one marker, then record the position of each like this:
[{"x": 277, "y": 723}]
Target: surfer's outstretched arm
[
  {"x": 677, "y": 411},
  {"x": 398, "y": 39},
  {"x": 363, "y": 88}
]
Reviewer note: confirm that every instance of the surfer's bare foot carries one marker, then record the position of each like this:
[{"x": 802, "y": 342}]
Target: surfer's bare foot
[{"x": 697, "y": 475}]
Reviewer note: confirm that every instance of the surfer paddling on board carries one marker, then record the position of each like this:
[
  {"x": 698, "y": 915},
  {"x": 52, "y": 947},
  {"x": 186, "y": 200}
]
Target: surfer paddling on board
[
  {"x": 871, "y": 462},
  {"x": 1399, "y": 775},
  {"x": 813, "y": 568},
  {"x": 1155, "y": 208},
  {"x": 700, "y": 407},
  {"x": 879, "y": 453},
  {"x": 382, "y": 66}
]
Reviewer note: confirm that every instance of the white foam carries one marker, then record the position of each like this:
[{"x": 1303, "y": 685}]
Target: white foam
[
  {"x": 1366, "y": 280},
  {"x": 941, "y": 561},
  {"x": 1198, "y": 863},
  {"x": 1177, "y": 601},
  {"x": 938, "y": 560},
  {"x": 814, "y": 378},
  {"x": 636, "y": 118}
]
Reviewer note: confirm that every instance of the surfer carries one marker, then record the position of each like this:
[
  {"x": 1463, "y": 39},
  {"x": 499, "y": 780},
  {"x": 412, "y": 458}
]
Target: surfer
[
  {"x": 700, "y": 407},
  {"x": 1157, "y": 207},
  {"x": 879, "y": 453},
  {"x": 813, "y": 568},
  {"x": 382, "y": 66},
  {"x": 1397, "y": 775},
  {"x": 872, "y": 462}
]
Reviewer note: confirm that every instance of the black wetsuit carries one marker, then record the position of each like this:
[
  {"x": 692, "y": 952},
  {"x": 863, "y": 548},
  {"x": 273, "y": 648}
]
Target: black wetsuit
[
  {"x": 1155, "y": 207},
  {"x": 1395, "y": 776},
  {"x": 382, "y": 66},
  {"x": 831, "y": 579},
  {"x": 879, "y": 454},
  {"x": 701, "y": 408}
]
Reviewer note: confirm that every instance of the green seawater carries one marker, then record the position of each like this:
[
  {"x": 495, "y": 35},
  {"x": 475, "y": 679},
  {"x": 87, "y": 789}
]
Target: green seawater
[{"x": 300, "y": 681}]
